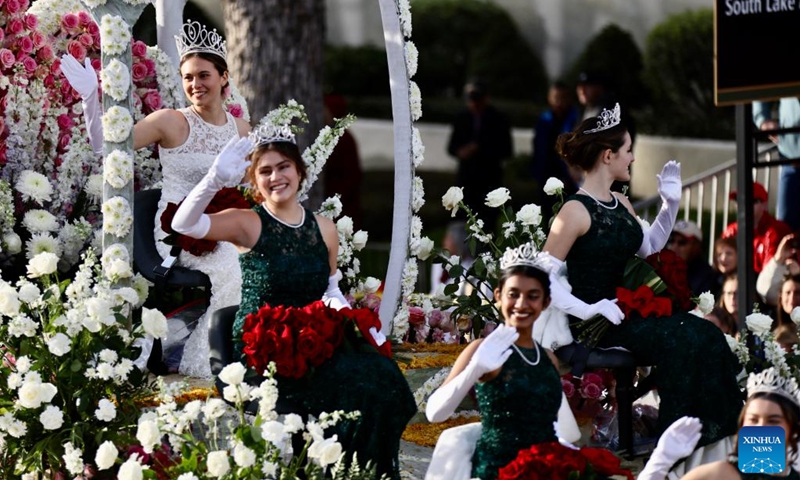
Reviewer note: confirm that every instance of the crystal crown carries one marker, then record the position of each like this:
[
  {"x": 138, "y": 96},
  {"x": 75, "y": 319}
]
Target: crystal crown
[
  {"x": 266, "y": 133},
  {"x": 607, "y": 119},
  {"x": 771, "y": 381},
  {"x": 526, "y": 254},
  {"x": 196, "y": 38}
]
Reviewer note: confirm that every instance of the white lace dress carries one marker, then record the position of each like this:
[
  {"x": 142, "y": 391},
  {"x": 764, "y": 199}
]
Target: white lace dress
[{"x": 182, "y": 168}]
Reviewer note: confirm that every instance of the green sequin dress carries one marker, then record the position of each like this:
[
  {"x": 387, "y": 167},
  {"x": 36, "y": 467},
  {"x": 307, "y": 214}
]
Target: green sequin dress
[
  {"x": 518, "y": 408},
  {"x": 289, "y": 266},
  {"x": 695, "y": 369}
]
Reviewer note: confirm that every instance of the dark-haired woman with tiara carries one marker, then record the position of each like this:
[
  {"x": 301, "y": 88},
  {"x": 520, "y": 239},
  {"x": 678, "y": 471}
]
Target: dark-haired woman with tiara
[
  {"x": 189, "y": 139},
  {"x": 595, "y": 233}
]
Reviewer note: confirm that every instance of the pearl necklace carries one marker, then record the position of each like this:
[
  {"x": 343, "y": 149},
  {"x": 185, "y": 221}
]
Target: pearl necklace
[
  {"x": 525, "y": 359},
  {"x": 616, "y": 200},
  {"x": 290, "y": 225}
]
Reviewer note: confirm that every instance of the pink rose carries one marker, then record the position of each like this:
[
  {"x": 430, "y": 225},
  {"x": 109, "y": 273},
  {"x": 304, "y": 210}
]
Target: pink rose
[
  {"x": 69, "y": 22},
  {"x": 151, "y": 66},
  {"x": 25, "y": 45},
  {"x": 23, "y": 4},
  {"x": 138, "y": 72},
  {"x": 84, "y": 19},
  {"x": 152, "y": 100},
  {"x": 591, "y": 391},
  {"x": 236, "y": 110},
  {"x": 371, "y": 301},
  {"x": 86, "y": 40},
  {"x": 7, "y": 58},
  {"x": 77, "y": 50},
  {"x": 97, "y": 64},
  {"x": 435, "y": 319},
  {"x": 39, "y": 40},
  {"x": 568, "y": 387},
  {"x": 14, "y": 27},
  {"x": 29, "y": 64},
  {"x": 31, "y": 21},
  {"x": 45, "y": 53},
  {"x": 13, "y": 6},
  {"x": 592, "y": 378},
  {"x": 416, "y": 315},
  {"x": 2, "y": 33},
  {"x": 49, "y": 80},
  {"x": 63, "y": 140},
  {"x": 65, "y": 122},
  {"x": 139, "y": 49},
  {"x": 94, "y": 30}
]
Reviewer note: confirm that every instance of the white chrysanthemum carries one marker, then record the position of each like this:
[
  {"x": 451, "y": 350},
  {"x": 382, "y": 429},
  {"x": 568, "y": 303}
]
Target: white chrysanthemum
[
  {"x": 115, "y": 251},
  {"x": 43, "y": 263},
  {"x": 415, "y": 100},
  {"x": 418, "y": 195},
  {"x": 94, "y": 186},
  {"x": 117, "y": 124},
  {"x": 117, "y": 216},
  {"x": 118, "y": 168},
  {"x": 412, "y": 58},
  {"x": 405, "y": 17},
  {"x": 37, "y": 221},
  {"x": 553, "y": 186},
  {"x": 417, "y": 147},
  {"x": 116, "y": 79},
  {"x": 115, "y": 35},
  {"x": 33, "y": 186}
]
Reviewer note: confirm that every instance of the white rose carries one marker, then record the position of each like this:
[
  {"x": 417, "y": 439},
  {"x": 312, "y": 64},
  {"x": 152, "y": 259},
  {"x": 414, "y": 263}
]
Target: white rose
[
  {"x": 154, "y": 323},
  {"x": 59, "y": 344},
  {"x": 13, "y": 243},
  {"x": 52, "y": 418},
  {"x": 187, "y": 476},
  {"x": 345, "y": 226},
  {"x": 705, "y": 302},
  {"x": 243, "y": 456},
  {"x": 131, "y": 470},
  {"x": 758, "y": 323},
  {"x": 372, "y": 284},
  {"x": 148, "y": 435},
  {"x": 530, "y": 214},
  {"x": 118, "y": 268},
  {"x": 217, "y": 463},
  {"x": 273, "y": 431},
  {"x": 106, "y": 455},
  {"x": 106, "y": 411},
  {"x": 796, "y": 315},
  {"x": 23, "y": 364},
  {"x": 44, "y": 263},
  {"x": 233, "y": 373},
  {"x": 452, "y": 198},
  {"x": 9, "y": 300},
  {"x": 425, "y": 248},
  {"x": 496, "y": 198},
  {"x": 326, "y": 451},
  {"x": 360, "y": 240},
  {"x": 29, "y": 395},
  {"x": 553, "y": 186}
]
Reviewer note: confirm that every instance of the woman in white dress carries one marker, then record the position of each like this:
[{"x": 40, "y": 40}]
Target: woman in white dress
[{"x": 189, "y": 139}]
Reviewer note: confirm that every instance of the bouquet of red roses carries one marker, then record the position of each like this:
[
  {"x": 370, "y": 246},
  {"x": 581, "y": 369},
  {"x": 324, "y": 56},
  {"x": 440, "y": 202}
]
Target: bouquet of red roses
[
  {"x": 231, "y": 197},
  {"x": 553, "y": 461},
  {"x": 297, "y": 339}
]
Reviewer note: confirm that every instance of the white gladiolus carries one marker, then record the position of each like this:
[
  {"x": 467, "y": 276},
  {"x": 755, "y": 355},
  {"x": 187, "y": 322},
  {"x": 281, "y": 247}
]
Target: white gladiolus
[
  {"x": 553, "y": 186},
  {"x": 758, "y": 323},
  {"x": 154, "y": 323},
  {"x": 497, "y": 197},
  {"x": 233, "y": 374},
  {"x": 705, "y": 302},
  {"x": 217, "y": 463},
  {"x": 452, "y": 198},
  {"x": 106, "y": 455},
  {"x": 44, "y": 263}
]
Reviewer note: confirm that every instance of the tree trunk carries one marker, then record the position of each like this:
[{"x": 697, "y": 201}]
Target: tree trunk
[{"x": 274, "y": 55}]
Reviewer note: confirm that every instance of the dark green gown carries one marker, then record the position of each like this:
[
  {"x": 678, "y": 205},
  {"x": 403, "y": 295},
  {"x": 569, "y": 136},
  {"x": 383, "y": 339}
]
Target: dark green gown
[
  {"x": 289, "y": 266},
  {"x": 695, "y": 369},
  {"x": 518, "y": 408}
]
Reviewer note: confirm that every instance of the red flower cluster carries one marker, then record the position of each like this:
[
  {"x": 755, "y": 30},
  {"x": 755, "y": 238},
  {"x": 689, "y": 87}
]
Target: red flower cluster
[
  {"x": 644, "y": 301},
  {"x": 297, "y": 339},
  {"x": 223, "y": 200},
  {"x": 672, "y": 270},
  {"x": 553, "y": 461}
]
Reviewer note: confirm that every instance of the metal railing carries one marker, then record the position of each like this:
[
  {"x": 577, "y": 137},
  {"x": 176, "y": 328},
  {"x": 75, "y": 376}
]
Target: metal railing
[{"x": 706, "y": 197}]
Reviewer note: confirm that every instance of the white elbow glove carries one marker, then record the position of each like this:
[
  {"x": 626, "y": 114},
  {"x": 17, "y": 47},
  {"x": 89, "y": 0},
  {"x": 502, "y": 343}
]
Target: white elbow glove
[
  {"x": 84, "y": 80},
  {"x": 333, "y": 296},
  {"x": 226, "y": 171},
  {"x": 562, "y": 298},
  {"x": 677, "y": 441},
  {"x": 490, "y": 355},
  {"x": 669, "y": 187}
]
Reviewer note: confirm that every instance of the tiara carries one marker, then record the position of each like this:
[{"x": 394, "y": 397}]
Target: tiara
[
  {"x": 196, "y": 38},
  {"x": 607, "y": 119},
  {"x": 266, "y": 133},
  {"x": 771, "y": 381},
  {"x": 526, "y": 254}
]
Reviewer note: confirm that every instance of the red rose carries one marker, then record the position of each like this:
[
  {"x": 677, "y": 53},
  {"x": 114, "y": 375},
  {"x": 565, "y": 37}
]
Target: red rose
[
  {"x": 236, "y": 110},
  {"x": 604, "y": 462},
  {"x": 568, "y": 387},
  {"x": 416, "y": 316},
  {"x": 310, "y": 345}
]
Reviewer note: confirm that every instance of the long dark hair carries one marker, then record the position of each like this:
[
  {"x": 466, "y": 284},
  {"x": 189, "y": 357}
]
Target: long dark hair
[
  {"x": 287, "y": 150},
  {"x": 784, "y": 318},
  {"x": 220, "y": 65},
  {"x": 583, "y": 149}
]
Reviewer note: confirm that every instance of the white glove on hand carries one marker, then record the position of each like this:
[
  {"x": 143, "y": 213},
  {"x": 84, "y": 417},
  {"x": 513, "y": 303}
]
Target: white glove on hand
[
  {"x": 677, "y": 441},
  {"x": 227, "y": 170},
  {"x": 333, "y": 296},
  {"x": 490, "y": 355},
  {"x": 84, "y": 80},
  {"x": 565, "y": 301},
  {"x": 669, "y": 188}
]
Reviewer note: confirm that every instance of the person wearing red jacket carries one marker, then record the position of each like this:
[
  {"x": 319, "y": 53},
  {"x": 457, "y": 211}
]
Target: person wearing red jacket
[{"x": 768, "y": 230}]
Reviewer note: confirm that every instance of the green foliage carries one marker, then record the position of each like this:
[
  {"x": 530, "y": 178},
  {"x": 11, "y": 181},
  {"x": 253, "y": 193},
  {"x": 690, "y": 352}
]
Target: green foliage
[
  {"x": 679, "y": 71},
  {"x": 459, "y": 39},
  {"x": 614, "y": 53},
  {"x": 358, "y": 71}
]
